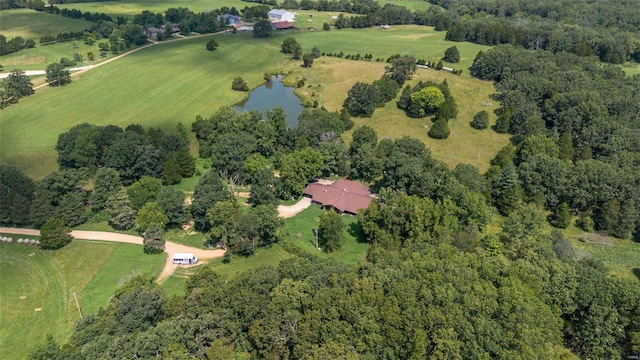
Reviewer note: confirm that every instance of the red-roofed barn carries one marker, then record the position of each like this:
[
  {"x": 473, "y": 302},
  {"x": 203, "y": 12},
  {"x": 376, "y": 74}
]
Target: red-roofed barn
[{"x": 345, "y": 196}]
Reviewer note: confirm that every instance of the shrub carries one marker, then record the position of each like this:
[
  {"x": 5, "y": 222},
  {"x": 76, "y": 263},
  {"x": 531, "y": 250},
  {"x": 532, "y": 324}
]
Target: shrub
[
  {"x": 326, "y": 27},
  {"x": 480, "y": 120},
  {"x": 212, "y": 45},
  {"x": 452, "y": 55},
  {"x": 439, "y": 130},
  {"x": 239, "y": 84}
]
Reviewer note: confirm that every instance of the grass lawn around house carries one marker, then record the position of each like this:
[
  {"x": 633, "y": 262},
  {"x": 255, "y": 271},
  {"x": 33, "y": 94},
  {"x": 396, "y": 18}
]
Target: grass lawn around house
[
  {"x": 299, "y": 231},
  {"x": 31, "y": 24},
  {"x": 36, "y": 287}
]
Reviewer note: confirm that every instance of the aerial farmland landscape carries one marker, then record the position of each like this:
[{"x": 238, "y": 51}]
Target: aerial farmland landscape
[{"x": 320, "y": 179}]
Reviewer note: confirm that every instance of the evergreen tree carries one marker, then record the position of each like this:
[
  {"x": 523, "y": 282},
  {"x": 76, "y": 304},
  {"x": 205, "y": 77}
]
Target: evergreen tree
[
  {"x": 54, "y": 234},
  {"x": 153, "y": 240}
]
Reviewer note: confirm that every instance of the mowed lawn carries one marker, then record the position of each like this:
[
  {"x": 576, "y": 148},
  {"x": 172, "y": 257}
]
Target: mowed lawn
[
  {"x": 39, "y": 57},
  {"x": 131, "y": 8},
  {"x": 36, "y": 287},
  {"x": 31, "y": 24},
  {"x": 159, "y": 86}
]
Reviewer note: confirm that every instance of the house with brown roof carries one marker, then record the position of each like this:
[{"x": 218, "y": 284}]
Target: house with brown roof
[{"x": 345, "y": 196}]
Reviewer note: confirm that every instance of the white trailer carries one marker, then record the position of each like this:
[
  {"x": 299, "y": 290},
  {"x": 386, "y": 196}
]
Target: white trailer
[{"x": 184, "y": 259}]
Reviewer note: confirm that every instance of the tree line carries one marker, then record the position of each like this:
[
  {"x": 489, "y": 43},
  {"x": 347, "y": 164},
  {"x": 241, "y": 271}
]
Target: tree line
[
  {"x": 419, "y": 297},
  {"x": 574, "y": 126}
]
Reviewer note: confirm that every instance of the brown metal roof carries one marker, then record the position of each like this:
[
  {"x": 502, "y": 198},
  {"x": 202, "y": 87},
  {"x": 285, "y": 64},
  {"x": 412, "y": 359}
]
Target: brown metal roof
[{"x": 344, "y": 195}]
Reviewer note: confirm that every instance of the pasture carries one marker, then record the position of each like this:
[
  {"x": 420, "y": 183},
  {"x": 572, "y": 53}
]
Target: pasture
[
  {"x": 36, "y": 287},
  {"x": 173, "y": 82},
  {"x": 130, "y": 8},
  {"x": 39, "y": 57},
  {"x": 159, "y": 86},
  {"x": 31, "y": 24}
]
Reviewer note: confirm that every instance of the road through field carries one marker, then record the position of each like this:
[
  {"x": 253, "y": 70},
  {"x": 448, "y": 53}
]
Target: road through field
[
  {"x": 83, "y": 69},
  {"x": 169, "y": 248}
]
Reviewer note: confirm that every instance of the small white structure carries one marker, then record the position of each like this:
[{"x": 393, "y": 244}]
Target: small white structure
[
  {"x": 184, "y": 259},
  {"x": 281, "y": 15}
]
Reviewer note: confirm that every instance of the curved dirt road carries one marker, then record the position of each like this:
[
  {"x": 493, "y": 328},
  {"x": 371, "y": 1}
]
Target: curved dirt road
[
  {"x": 169, "y": 248},
  {"x": 285, "y": 211}
]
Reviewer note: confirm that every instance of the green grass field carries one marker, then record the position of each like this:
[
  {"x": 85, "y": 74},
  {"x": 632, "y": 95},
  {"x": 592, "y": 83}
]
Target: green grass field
[
  {"x": 31, "y": 24},
  {"x": 39, "y": 57},
  {"x": 130, "y": 8},
  {"x": 176, "y": 81},
  {"x": 36, "y": 287},
  {"x": 162, "y": 85}
]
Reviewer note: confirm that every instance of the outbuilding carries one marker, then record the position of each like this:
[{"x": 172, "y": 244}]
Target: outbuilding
[{"x": 281, "y": 15}]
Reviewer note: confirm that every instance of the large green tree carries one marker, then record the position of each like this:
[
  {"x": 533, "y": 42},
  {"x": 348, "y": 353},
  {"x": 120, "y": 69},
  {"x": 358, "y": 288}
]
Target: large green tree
[
  {"x": 362, "y": 99},
  {"x": 57, "y": 75},
  {"x": 331, "y": 231},
  {"x": 297, "y": 169},
  {"x": 15, "y": 86},
  {"x": 262, "y": 29},
  {"x": 209, "y": 190}
]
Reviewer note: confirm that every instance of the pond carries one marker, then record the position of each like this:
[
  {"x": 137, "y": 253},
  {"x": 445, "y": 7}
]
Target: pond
[{"x": 273, "y": 94}]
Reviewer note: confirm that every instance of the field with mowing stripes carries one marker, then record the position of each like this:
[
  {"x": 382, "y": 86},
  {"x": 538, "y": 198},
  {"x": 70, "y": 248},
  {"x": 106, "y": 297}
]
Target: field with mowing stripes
[
  {"x": 36, "y": 287},
  {"x": 159, "y": 87},
  {"x": 31, "y": 24}
]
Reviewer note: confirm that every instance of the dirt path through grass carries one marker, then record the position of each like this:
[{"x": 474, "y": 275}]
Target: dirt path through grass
[{"x": 169, "y": 248}]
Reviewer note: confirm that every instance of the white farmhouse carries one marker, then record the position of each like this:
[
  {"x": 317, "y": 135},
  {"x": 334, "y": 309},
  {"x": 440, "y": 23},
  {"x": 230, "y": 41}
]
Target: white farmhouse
[{"x": 281, "y": 15}]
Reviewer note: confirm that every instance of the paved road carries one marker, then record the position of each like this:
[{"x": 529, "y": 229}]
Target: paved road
[{"x": 169, "y": 248}]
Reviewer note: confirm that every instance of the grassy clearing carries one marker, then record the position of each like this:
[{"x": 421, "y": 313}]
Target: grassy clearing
[
  {"x": 31, "y": 24},
  {"x": 622, "y": 257},
  {"x": 465, "y": 145},
  {"x": 173, "y": 83},
  {"x": 39, "y": 57},
  {"x": 126, "y": 261},
  {"x": 180, "y": 236},
  {"x": 299, "y": 231}
]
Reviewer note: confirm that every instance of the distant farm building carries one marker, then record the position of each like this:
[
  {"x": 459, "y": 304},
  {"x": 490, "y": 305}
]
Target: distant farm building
[
  {"x": 281, "y": 25},
  {"x": 229, "y": 20},
  {"x": 345, "y": 196},
  {"x": 153, "y": 32},
  {"x": 281, "y": 15}
]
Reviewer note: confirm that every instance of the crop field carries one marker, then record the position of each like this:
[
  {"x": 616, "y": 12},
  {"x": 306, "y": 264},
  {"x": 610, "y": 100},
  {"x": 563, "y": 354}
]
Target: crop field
[
  {"x": 31, "y": 24},
  {"x": 36, "y": 288},
  {"x": 159, "y": 86}
]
